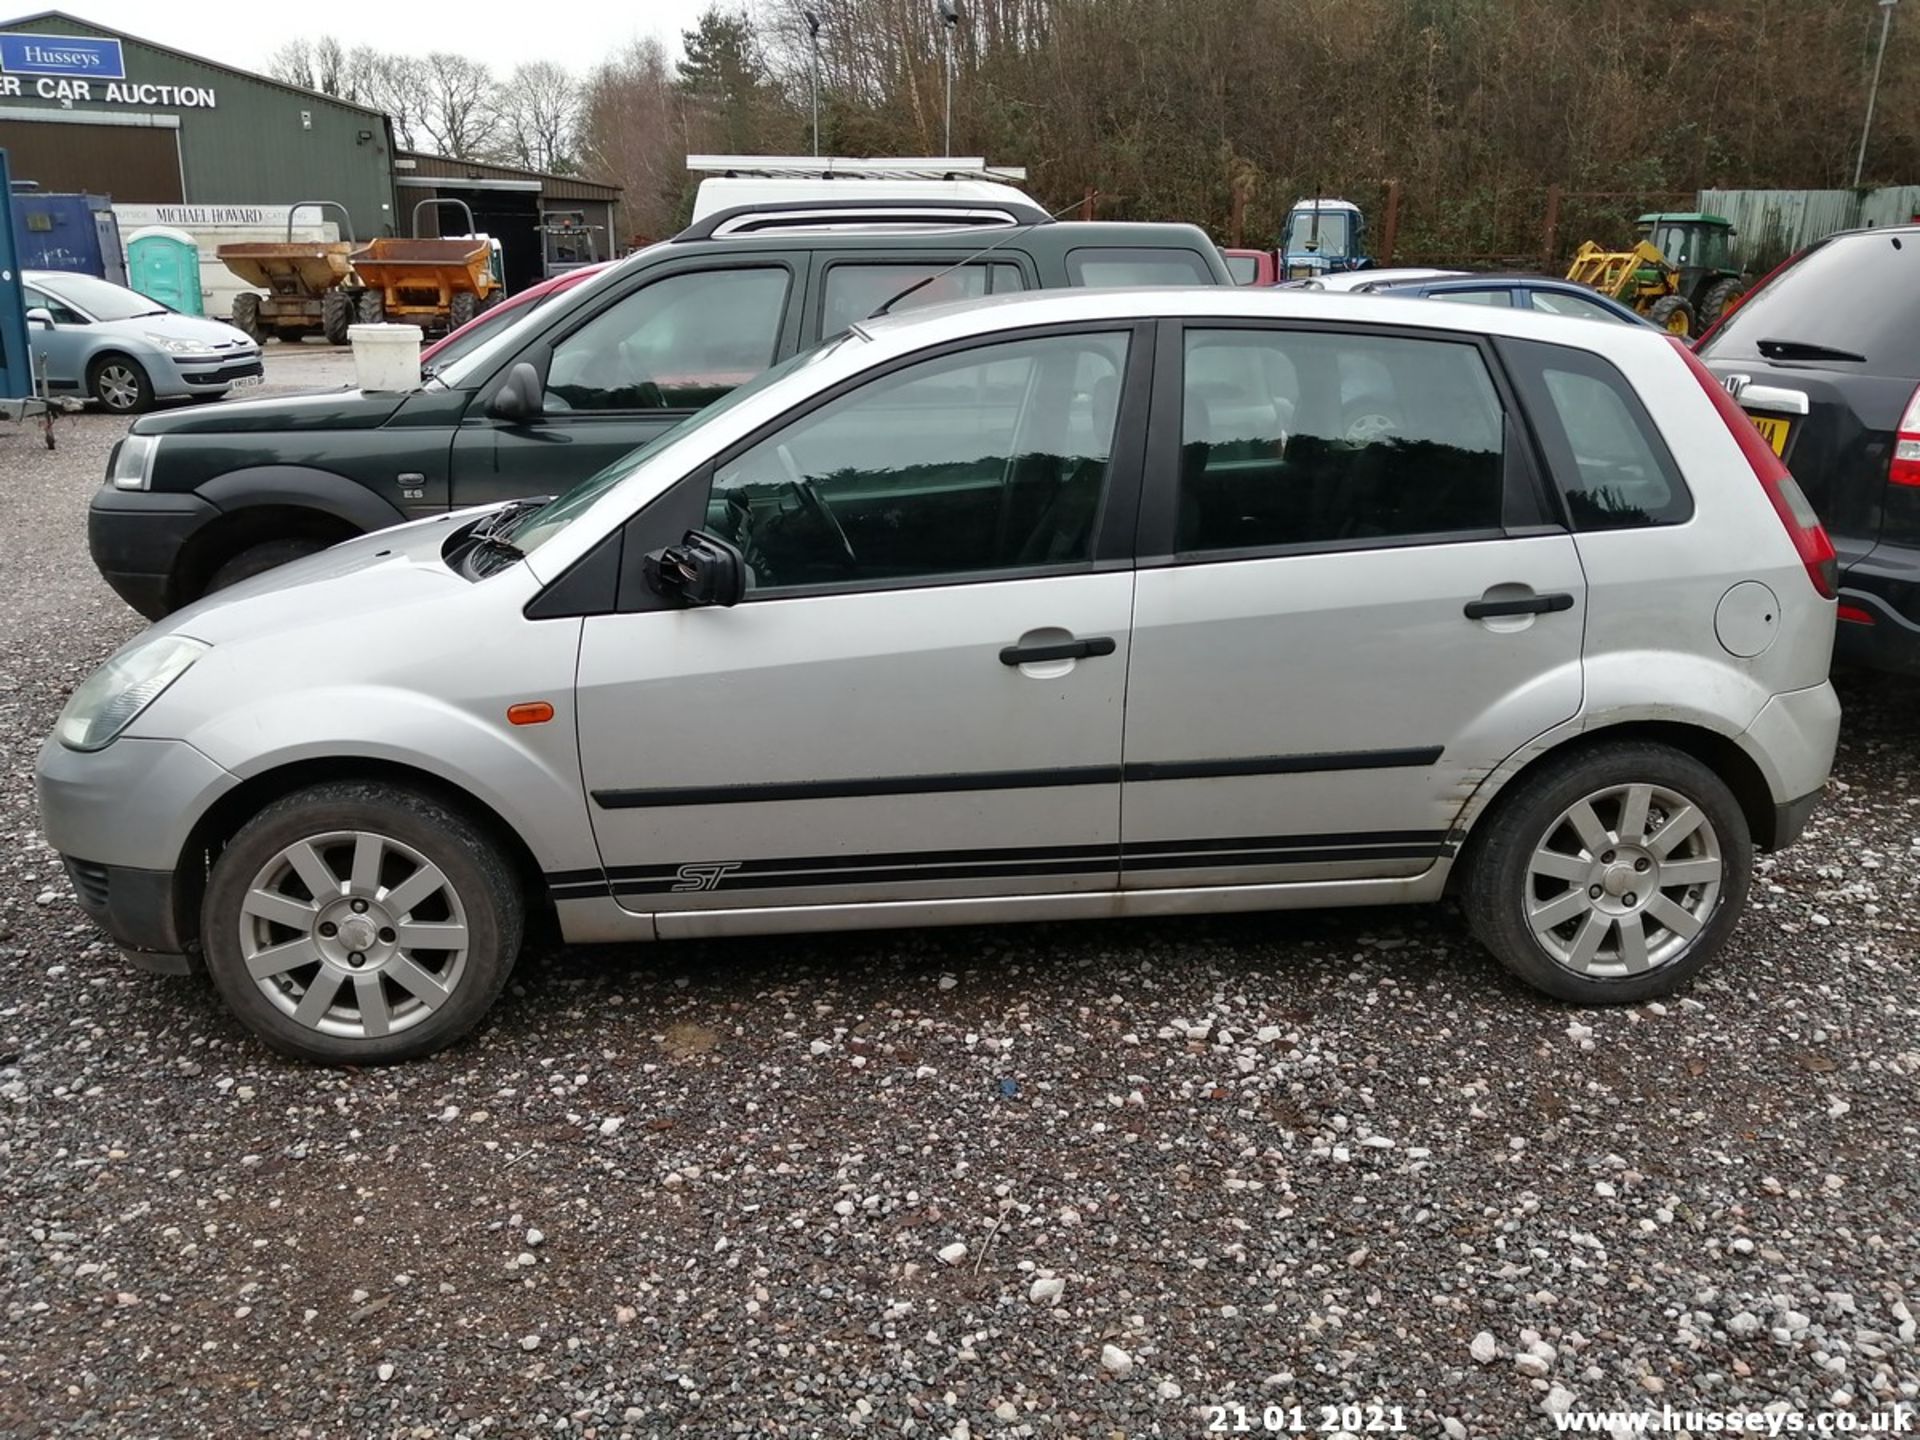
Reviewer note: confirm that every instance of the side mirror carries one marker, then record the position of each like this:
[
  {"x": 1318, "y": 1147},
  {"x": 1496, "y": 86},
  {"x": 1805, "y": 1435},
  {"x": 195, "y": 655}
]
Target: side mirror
[
  {"x": 702, "y": 569},
  {"x": 41, "y": 317},
  {"x": 519, "y": 397}
]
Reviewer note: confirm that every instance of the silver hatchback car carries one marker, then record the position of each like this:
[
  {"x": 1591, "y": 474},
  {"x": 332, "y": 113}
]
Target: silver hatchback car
[{"x": 1080, "y": 604}]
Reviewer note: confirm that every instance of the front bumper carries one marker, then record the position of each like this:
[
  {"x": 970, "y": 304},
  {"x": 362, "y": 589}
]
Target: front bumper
[
  {"x": 208, "y": 376},
  {"x": 136, "y": 536},
  {"x": 121, "y": 819},
  {"x": 139, "y": 910}
]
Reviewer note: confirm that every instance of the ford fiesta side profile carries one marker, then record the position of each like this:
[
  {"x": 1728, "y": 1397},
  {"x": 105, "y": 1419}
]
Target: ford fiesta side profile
[{"x": 1077, "y": 604}]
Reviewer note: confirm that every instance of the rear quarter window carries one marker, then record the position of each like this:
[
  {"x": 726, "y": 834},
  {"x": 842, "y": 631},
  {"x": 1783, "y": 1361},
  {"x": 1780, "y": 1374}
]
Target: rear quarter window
[
  {"x": 1605, "y": 455},
  {"x": 1108, "y": 267}
]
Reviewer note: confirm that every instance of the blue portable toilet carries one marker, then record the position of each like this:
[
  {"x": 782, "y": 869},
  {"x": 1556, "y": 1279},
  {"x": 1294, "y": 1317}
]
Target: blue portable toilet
[
  {"x": 164, "y": 264},
  {"x": 66, "y": 232}
]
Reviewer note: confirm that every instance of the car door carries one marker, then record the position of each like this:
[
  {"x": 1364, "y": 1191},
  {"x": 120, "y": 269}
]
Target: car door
[
  {"x": 61, "y": 350},
  {"x": 1343, "y": 626},
  {"x": 626, "y": 370},
  {"x": 920, "y": 697}
]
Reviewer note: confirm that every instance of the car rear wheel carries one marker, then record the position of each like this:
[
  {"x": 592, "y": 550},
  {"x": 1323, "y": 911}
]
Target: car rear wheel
[
  {"x": 361, "y": 923},
  {"x": 1612, "y": 876}
]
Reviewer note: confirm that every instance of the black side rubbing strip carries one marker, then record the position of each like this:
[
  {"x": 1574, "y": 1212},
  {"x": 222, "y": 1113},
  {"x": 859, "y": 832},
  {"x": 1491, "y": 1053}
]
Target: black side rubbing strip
[
  {"x": 1136, "y": 772},
  {"x": 856, "y": 788}
]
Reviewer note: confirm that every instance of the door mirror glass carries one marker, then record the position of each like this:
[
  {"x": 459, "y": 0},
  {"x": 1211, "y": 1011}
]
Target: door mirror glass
[
  {"x": 41, "y": 317},
  {"x": 701, "y": 570},
  {"x": 518, "y": 397}
]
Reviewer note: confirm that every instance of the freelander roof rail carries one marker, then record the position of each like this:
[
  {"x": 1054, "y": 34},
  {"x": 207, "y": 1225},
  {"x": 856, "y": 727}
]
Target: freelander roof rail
[
  {"x": 735, "y": 180},
  {"x": 864, "y": 214}
]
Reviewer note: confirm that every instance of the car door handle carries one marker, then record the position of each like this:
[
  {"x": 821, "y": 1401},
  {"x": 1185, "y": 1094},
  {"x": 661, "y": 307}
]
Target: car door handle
[
  {"x": 1485, "y": 609},
  {"x": 1058, "y": 650}
]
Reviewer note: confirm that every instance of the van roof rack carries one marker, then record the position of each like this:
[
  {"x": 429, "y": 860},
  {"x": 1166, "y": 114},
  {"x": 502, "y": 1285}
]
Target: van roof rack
[
  {"x": 841, "y": 167},
  {"x": 794, "y": 215}
]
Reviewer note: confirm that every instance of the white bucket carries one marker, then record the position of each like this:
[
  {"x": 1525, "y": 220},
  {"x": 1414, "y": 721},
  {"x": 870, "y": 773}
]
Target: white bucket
[{"x": 386, "y": 357}]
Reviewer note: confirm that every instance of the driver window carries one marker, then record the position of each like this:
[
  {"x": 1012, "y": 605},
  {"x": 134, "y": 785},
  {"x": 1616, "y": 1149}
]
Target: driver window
[
  {"x": 677, "y": 344},
  {"x": 62, "y": 314},
  {"x": 992, "y": 459}
]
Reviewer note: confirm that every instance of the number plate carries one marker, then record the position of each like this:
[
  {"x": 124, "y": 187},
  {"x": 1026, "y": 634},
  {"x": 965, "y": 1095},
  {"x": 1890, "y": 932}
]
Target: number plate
[
  {"x": 247, "y": 382},
  {"x": 1773, "y": 430}
]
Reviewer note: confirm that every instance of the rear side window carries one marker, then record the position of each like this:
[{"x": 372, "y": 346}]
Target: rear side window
[
  {"x": 1854, "y": 301},
  {"x": 1500, "y": 298},
  {"x": 1245, "y": 269},
  {"x": 679, "y": 343},
  {"x": 1607, "y": 458},
  {"x": 1311, "y": 438},
  {"x": 1106, "y": 267},
  {"x": 854, "y": 291}
]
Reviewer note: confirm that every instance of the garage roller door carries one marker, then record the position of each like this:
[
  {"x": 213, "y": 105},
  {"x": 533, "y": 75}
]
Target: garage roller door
[{"x": 131, "y": 163}]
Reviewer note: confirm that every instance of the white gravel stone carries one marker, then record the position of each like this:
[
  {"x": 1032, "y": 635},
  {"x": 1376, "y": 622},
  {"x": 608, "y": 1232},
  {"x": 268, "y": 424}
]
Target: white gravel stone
[
  {"x": 1047, "y": 1290},
  {"x": 1484, "y": 1348},
  {"x": 1116, "y": 1361},
  {"x": 952, "y": 1254}
]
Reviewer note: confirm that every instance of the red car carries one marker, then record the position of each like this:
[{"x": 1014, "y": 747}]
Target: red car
[
  {"x": 1252, "y": 267},
  {"x": 484, "y": 327}
]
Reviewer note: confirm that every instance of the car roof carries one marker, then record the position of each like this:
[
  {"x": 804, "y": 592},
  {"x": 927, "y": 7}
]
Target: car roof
[
  {"x": 959, "y": 320},
  {"x": 1053, "y": 237}
]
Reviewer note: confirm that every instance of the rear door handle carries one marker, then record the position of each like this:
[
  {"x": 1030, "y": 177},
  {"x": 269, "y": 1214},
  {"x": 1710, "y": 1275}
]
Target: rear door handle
[
  {"x": 1058, "y": 650},
  {"x": 1484, "y": 609}
]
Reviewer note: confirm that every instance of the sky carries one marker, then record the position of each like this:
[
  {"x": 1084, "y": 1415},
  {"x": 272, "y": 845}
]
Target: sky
[{"x": 245, "y": 33}]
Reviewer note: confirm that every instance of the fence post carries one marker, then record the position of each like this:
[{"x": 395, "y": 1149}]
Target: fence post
[
  {"x": 1390, "y": 223},
  {"x": 1552, "y": 244}
]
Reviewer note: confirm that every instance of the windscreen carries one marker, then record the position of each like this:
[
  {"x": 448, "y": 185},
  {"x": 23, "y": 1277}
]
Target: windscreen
[
  {"x": 1856, "y": 295},
  {"x": 101, "y": 299},
  {"x": 1332, "y": 236}
]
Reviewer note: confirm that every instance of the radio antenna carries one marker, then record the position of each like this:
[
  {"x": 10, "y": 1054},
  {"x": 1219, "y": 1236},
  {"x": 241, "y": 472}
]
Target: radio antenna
[{"x": 977, "y": 255}]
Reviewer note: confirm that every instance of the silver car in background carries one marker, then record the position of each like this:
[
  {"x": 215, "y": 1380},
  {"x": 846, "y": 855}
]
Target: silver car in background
[
  {"x": 1078, "y": 604},
  {"x": 126, "y": 350}
]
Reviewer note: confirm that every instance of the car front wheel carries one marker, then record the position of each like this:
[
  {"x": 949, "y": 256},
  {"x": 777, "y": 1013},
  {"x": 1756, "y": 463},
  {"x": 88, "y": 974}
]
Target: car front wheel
[
  {"x": 1612, "y": 876},
  {"x": 120, "y": 385},
  {"x": 360, "y": 923}
]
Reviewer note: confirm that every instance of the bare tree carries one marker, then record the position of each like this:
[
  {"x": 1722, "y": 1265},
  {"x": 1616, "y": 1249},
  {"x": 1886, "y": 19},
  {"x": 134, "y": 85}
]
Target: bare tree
[
  {"x": 633, "y": 135},
  {"x": 458, "y": 111},
  {"x": 539, "y": 110}
]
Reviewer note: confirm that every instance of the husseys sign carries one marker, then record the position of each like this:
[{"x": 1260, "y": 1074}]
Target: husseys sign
[{"x": 76, "y": 67}]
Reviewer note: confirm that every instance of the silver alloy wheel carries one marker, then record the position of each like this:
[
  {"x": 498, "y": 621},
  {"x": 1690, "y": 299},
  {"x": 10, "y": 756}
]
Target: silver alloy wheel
[
  {"x": 1623, "y": 881},
  {"x": 354, "y": 934},
  {"x": 118, "y": 386}
]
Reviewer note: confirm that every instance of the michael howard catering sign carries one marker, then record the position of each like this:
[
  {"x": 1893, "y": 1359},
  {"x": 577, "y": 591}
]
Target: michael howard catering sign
[{"x": 62, "y": 55}]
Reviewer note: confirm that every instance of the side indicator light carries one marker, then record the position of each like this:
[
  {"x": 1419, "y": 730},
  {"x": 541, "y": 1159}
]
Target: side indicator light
[{"x": 530, "y": 712}]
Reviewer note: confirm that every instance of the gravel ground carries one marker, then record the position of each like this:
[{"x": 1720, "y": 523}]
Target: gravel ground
[{"x": 1075, "y": 1181}]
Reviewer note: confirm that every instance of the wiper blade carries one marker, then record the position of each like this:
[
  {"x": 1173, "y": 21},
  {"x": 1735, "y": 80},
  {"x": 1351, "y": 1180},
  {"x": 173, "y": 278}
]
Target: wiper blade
[
  {"x": 492, "y": 533},
  {"x": 1804, "y": 350}
]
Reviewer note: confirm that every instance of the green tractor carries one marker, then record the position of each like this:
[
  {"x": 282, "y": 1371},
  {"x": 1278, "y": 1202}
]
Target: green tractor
[{"x": 1700, "y": 249}]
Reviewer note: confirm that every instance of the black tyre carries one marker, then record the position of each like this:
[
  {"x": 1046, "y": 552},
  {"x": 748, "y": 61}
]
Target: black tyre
[
  {"x": 1610, "y": 876},
  {"x": 336, "y": 314},
  {"x": 493, "y": 298},
  {"x": 361, "y": 923},
  {"x": 1672, "y": 314},
  {"x": 120, "y": 384},
  {"x": 246, "y": 315},
  {"x": 462, "y": 308},
  {"x": 1719, "y": 296},
  {"x": 260, "y": 558},
  {"x": 371, "y": 307}
]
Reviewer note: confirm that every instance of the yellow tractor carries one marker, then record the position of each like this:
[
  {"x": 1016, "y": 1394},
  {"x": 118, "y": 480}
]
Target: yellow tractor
[
  {"x": 1682, "y": 275},
  {"x": 1641, "y": 278}
]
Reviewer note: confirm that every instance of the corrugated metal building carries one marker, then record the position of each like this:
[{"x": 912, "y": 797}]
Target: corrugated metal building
[
  {"x": 544, "y": 223},
  {"x": 85, "y": 108},
  {"x": 1772, "y": 224}
]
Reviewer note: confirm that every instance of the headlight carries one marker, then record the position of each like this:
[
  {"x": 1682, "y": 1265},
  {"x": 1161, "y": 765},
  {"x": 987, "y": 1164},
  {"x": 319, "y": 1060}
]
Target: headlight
[
  {"x": 175, "y": 346},
  {"x": 132, "y": 465},
  {"x": 115, "y": 694}
]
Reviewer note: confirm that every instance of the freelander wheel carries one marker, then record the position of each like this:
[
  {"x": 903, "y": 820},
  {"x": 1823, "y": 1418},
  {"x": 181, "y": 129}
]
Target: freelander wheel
[
  {"x": 360, "y": 923},
  {"x": 1612, "y": 876}
]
